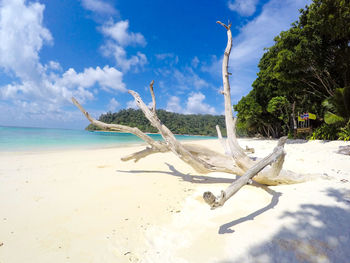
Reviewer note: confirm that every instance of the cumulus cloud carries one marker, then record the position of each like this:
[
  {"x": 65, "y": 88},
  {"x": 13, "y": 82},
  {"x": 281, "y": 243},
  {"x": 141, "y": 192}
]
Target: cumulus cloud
[
  {"x": 113, "y": 105},
  {"x": 185, "y": 79},
  {"x": 120, "y": 55},
  {"x": 21, "y": 39},
  {"x": 98, "y": 6},
  {"x": 173, "y": 105},
  {"x": 194, "y": 105},
  {"x": 37, "y": 89},
  {"x": 131, "y": 104},
  {"x": 108, "y": 78},
  {"x": 119, "y": 32},
  {"x": 119, "y": 38},
  {"x": 58, "y": 89},
  {"x": 243, "y": 7}
]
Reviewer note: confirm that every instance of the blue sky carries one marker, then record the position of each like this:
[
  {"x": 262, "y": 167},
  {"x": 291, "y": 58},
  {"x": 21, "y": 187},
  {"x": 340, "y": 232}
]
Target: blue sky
[{"x": 95, "y": 50}]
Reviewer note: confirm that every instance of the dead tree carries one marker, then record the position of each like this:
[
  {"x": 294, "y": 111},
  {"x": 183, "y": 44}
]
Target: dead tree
[{"x": 235, "y": 161}]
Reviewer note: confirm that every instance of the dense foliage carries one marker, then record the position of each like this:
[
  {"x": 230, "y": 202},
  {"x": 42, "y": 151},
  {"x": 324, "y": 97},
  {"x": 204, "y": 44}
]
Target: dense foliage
[
  {"x": 177, "y": 123},
  {"x": 308, "y": 66}
]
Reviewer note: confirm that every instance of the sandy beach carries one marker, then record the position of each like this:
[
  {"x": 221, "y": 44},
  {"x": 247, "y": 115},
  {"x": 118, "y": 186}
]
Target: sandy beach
[{"x": 89, "y": 206}]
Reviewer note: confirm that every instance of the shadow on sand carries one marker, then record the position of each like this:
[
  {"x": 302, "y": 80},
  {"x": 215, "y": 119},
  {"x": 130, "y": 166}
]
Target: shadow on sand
[
  {"x": 202, "y": 179},
  {"x": 319, "y": 233},
  {"x": 226, "y": 228},
  {"x": 198, "y": 179}
]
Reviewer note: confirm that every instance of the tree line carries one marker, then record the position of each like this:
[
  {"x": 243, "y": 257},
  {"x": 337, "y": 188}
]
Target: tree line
[
  {"x": 306, "y": 70},
  {"x": 191, "y": 124}
]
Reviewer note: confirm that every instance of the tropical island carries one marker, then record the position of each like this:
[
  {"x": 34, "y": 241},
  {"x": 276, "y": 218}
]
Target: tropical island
[{"x": 193, "y": 124}]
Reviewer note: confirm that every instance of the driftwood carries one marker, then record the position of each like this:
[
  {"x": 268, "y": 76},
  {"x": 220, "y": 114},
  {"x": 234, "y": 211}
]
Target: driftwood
[
  {"x": 202, "y": 159},
  {"x": 249, "y": 150},
  {"x": 243, "y": 180}
]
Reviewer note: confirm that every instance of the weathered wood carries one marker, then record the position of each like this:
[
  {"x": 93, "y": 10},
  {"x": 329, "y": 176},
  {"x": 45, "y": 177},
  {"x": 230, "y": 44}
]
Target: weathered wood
[
  {"x": 236, "y": 151},
  {"x": 218, "y": 201},
  {"x": 142, "y": 154},
  {"x": 174, "y": 146},
  {"x": 121, "y": 128},
  {"x": 222, "y": 140},
  {"x": 202, "y": 159},
  {"x": 249, "y": 150},
  {"x": 153, "y": 97}
]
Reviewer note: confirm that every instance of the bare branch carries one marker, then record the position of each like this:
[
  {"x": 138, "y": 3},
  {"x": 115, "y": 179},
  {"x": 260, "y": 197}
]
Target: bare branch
[
  {"x": 141, "y": 154},
  {"x": 222, "y": 141},
  {"x": 225, "y": 26},
  {"x": 118, "y": 127},
  {"x": 153, "y": 97},
  {"x": 175, "y": 146},
  {"x": 237, "y": 152},
  {"x": 218, "y": 201},
  {"x": 202, "y": 159}
]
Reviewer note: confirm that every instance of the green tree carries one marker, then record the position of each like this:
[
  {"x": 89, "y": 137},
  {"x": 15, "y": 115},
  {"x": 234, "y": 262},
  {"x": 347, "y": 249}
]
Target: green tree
[{"x": 309, "y": 65}]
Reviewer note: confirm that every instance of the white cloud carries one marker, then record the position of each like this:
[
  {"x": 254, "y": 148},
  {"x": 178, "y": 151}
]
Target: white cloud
[
  {"x": 173, "y": 105},
  {"x": 119, "y": 53},
  {"x": 99, "y": 6},
  {"x": 119, "y": 32},
  {"x": 194, "y": 105},
  {"x": 162, "y": 56},
  {"x": 108, "y": 78},
  {"x": 119, "y": 39},
  {"x": 113, "y": 105},
  {"x": 131, "y": 104},
  {"x": 38, "y": 89},
  {"x": 53, "y": 65},
  {"x": 195, "y": 62},
  {"x": 169, "y": 59},
  {"x": 188, "y": 79},
  {"x": 21, "y": 37},
  {"x": 243, "y": 7}
]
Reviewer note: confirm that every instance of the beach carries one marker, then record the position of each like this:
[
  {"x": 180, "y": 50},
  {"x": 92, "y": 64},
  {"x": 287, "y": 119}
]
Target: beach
[{"x": 86, "y": 205}]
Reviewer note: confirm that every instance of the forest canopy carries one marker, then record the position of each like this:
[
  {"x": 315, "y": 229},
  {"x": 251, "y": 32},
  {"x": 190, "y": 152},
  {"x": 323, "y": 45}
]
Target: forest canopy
[
  {"x": 194, "y": 124},
  {"x": 308, "y": 66}
]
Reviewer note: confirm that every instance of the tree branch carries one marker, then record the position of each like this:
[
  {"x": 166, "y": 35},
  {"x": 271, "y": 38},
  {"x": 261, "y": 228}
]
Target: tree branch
[
  {"x": 237, "y": 152},
  {"x": 217, "y": 201},
  {"x": 153, "y": 97}
]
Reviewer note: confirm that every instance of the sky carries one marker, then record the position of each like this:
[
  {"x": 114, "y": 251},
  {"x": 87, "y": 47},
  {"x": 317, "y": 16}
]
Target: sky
[{"x": 96, "y": 50}]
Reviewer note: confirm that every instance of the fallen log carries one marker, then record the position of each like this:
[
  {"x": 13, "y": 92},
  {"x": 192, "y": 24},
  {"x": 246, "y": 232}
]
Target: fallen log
[
  {"x": 275, "y": 157},
  {"x": 202, "y": 159}
]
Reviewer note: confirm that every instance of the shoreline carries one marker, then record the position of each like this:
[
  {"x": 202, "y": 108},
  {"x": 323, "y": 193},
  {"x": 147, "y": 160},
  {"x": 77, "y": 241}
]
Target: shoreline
[
  {"x": 86, "y": 205},
  {"x": 119, "y": 145}
]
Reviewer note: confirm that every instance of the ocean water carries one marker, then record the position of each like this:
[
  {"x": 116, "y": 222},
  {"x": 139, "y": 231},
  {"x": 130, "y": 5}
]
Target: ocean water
[{"x": 28, "y": 139}]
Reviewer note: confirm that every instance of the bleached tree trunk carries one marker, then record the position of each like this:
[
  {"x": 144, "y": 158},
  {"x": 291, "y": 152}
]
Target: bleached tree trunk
[
  {"x": 202, "y": 159},
  {"x": 218, "y": 201}
]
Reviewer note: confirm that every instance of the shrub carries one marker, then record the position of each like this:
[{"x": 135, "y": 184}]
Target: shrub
[
  {"x": 325, "y": 132},
  {"x": 344, "y": 133}
]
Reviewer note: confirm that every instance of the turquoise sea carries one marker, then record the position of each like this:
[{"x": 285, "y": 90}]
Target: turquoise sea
[{"x": 28, "y": 139}]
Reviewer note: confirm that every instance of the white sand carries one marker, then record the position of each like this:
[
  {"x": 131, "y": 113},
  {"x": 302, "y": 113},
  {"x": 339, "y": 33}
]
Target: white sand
[{"x": 88, "y": 206}]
